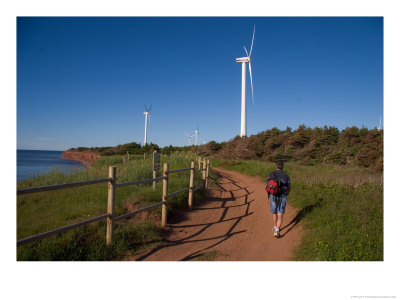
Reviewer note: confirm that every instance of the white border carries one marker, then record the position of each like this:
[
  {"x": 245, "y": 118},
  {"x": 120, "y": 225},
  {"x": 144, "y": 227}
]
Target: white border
[{"x": 240, "y": 280}]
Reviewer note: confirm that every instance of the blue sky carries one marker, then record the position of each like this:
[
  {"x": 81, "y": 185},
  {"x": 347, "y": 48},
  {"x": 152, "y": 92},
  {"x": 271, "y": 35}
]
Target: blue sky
[{"x": 85, "y": 81}]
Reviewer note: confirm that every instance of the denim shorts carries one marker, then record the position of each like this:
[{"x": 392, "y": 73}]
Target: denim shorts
[{"x": 277, "y": 204}]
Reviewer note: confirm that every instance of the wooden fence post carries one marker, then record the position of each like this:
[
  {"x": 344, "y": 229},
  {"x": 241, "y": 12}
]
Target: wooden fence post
[
  {"x": 156, "y": 166},
  {"x": 204, "y": 172},
  {"x": 164, "y": 196},
  {"x": 207, "y": 170},
  {"x": 199, "y": 161},
  {"x": 112, "y": 174},
  {"x": 191, "y": 185}
]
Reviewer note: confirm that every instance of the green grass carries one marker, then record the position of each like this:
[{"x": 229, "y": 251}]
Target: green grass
[
  {"x": 340, "y": 208},
  {"x": 88, "y": 243},
  {"x": 45, "y": 211}
]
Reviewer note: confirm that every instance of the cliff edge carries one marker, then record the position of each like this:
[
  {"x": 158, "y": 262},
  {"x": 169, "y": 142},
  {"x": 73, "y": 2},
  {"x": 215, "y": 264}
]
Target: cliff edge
[{"x": 85, "y": 158}]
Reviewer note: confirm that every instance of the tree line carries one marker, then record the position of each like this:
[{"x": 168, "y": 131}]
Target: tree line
[{"x": 351, "y": 146}]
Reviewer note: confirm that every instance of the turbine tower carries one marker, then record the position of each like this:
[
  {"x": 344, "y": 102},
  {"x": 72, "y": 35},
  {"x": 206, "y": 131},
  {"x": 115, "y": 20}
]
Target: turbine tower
[
  {"x": 146, "y": 114},
  {"x": 196, "y": 133},
  {"x": 380, "y": 123},
  {"x": 189, "y": 137},
  {"x": 243, "y": 61}
]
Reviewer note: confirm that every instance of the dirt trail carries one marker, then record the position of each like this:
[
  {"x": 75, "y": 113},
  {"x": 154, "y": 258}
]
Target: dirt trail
[{"x": 233, "y": 223}]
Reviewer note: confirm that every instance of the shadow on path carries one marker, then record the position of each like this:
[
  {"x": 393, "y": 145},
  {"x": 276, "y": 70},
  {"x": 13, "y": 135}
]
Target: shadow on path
[
  {"x": 205, "y": 226},
  {"x": 300, "y": 215}
]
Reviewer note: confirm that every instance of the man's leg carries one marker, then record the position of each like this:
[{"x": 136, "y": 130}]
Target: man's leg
[
  {"x": 272, "y": 206},
  {"x": 279, "y": 221},
  {"x": 281, "y": 211},
  {"x": 274, "y": 220}
]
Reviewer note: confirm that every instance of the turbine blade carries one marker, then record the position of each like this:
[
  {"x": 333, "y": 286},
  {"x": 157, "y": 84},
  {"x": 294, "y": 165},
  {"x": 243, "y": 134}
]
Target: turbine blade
[
  {"x": 251, "y": 81},
  {"x": 150, "y": 108},
  {"x": 246, "y": 50},
  {"x": 251, "y": 49}
]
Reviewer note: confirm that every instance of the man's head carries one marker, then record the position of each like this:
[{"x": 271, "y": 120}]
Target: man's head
[{"x": 279, "y": 164}]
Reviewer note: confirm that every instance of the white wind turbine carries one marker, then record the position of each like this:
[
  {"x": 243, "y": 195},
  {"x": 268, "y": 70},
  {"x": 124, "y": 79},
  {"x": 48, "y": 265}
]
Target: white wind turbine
[
  {"x": 189, "y": 137},
  {"x": 196, "y": 133},
  {"x": 380, "y": 123},
  {"x": 243, "y": 61},
  {"x": 146, "y": 114}
]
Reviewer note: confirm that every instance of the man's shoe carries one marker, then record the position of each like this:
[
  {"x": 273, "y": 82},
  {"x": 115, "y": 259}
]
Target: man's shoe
[{"x": 276, "y": 231}]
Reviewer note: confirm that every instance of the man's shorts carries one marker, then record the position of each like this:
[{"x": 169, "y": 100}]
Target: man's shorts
[{"x": 277, "y": 204}]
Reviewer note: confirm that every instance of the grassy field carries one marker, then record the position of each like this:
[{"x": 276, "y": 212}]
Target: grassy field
[
  {"x": 340, "y": 208},
  {"x": 41, "y": 212}
]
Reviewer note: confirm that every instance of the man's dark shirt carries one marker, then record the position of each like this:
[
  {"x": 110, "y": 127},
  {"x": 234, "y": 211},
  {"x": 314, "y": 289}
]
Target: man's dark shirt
[{"x": 284, "y": 180}]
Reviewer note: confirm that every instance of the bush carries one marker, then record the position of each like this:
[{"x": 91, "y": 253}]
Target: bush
[{"x": 351, "y": 146}]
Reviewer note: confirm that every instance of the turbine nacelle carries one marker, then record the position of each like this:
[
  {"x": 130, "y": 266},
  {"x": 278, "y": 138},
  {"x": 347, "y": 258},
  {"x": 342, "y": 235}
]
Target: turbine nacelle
[
  {"x": 243, "y": 59},
  {"x": 247, "y": 59},
  {"x": 148, "y": 109}
]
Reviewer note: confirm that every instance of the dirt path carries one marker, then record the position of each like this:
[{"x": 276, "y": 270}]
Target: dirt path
[{"x": 233, "y": 223}]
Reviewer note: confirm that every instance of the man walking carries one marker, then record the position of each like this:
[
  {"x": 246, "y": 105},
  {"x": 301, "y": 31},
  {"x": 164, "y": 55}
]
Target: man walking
[{"x": 278, "y": 202}]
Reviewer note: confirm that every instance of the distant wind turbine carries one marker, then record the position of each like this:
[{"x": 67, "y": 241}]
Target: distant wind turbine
[
  {"x": 380, "y": 123},
  {"x": 146, "y": 114},
  {"x": 189, "y": 137},
  {"x": 196, "y": 133},
  {"x": 243, "y": 61}
]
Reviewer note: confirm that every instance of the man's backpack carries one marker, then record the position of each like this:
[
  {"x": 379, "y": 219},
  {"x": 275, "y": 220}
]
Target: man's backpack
[{"x": 272, "y": 186}]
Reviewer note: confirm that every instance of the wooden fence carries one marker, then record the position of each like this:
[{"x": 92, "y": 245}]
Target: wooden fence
[{"x": 112, "y": 186}]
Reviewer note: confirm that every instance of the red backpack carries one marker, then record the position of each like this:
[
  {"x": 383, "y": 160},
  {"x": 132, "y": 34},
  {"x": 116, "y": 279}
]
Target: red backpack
[{"x": 272, "y": 186}]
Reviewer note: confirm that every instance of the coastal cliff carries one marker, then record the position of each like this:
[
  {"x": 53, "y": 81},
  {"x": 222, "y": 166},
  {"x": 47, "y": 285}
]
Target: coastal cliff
[{"x": 85, "y": 158}]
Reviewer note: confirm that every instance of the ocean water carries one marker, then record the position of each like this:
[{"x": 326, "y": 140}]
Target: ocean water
[{"x": 37, "y": 162}]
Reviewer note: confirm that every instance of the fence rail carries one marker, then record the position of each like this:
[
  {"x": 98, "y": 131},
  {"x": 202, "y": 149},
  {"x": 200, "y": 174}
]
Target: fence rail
[
  {"x": 61, "y": 229},
  {"x": 178, "y": 192},
  {"x": 197, "y": 188},
  {"x": 139, "y": 181},
  {"x": 132, "y": 213},
  {"x": 60, "y": 186},
  {"x": 112, "y": 186},
  {"x": 179, "y": 170}
]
